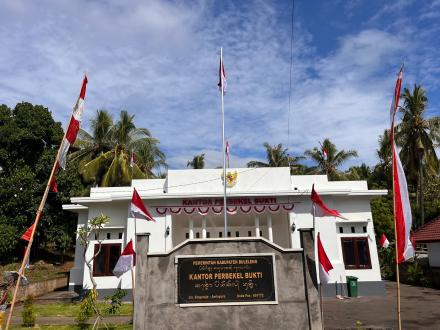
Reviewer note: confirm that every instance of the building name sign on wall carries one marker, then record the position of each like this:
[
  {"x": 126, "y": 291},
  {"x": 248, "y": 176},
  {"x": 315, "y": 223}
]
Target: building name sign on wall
[
  {"x": 226, "y": 280},
  {"x": 230, "y": 201}
]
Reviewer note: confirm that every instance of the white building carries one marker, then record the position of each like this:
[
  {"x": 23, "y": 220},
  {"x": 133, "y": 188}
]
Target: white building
[{"x": 262, "y": 202}]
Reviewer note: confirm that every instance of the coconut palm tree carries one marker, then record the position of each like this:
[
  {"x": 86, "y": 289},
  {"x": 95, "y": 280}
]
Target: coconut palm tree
[
  {"x": 418, "y": 138},
  {"x": 328, "y": 159},
  {"x": 277, "y": 156},
  {"x": 89, "y": 146},
  {"x": 112, "y": 167},
  {"x": 198, "y": 162}
]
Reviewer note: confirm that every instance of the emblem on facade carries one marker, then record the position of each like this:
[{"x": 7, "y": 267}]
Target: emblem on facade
[{"x": 231, "y": 178}]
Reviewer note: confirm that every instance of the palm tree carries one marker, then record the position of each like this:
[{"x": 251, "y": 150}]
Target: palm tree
[
  {"x": 198, "y": 162},
  {"x": 91, "y": 145},
  {"x": 381, "y": 175},
  {"x": 418, "y": 138},
  {"x": 327, "y": 159},
  {"x": 277, "y": 156},
  {"x": 111, "y": 167}
]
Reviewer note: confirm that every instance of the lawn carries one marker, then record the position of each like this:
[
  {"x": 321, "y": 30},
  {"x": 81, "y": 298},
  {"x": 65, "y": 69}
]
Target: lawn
[
  {"x": 73, "y": 327},
  {"x": 38, "y": 271}
]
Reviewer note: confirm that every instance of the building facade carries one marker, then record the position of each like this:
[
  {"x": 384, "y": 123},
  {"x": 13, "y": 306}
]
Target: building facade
[{"x": 261, "y": 202}]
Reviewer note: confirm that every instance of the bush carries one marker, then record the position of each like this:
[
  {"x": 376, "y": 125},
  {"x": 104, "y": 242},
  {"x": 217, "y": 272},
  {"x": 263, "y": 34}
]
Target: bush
[
  {"x": 86, "y": 308},
  {"x": 115, "y": 301},
  {"x": 28, "y": 313}
]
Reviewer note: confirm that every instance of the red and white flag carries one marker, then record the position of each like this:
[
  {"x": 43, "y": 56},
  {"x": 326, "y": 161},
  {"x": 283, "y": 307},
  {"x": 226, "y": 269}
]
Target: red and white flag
[
  {"x": 132, "y": 159},
  {"x": 126, "y": 261},
  {"x": 325, "y": 266},
  {"x": 227, "y": 152},
  {"x": 73, "y": 128},
  {"x": 320, "y": 209},
  {"x": 27, "y": 235},
  {"x": 402, "y": 208},
  {"x": 222, "y": 76},
  {"x": 384, "y": 242},
  {"x": 138, "y": 209}
]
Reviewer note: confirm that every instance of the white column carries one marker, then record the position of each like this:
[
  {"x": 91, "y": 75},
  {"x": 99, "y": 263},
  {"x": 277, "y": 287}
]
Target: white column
[
  {"x": 269, "y": 227},
  {"x": 204, "y": 227},
  {"x": 257, "y": 227},
  {"x": 191, "y": 228}
]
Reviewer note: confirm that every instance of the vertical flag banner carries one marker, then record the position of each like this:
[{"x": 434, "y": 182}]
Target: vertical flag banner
[
  {"x": 402, "y": 208},
  {"x": 126, "y": 261},
  {"x": 132, "y": 159},
  {"x": 222, "y": 76},
  {"x": 321, "y": 209},
  {"x": 384, "y": 243},
  {"x": 325, "y": 266},
  {"x": 138, "y": 209},
  {"x": 227, "y": 152}
]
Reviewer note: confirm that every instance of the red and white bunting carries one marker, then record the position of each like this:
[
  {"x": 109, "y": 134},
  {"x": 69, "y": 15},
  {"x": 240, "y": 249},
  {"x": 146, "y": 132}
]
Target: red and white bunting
[
  {"x": 402, "y": 208},
  {"x": 126, "y": 261},
  {"x": 73, "y": 128},
  {"x": 321, "y": 210},
  {"x": 325, "y": 266},
  {"x": 138, "y": 209},
  {"x": 384, "y": 243}
]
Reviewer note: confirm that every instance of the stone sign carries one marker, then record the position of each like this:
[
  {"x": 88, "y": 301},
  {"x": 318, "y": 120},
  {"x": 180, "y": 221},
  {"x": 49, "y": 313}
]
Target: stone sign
[{"x": 226, "y": 279}]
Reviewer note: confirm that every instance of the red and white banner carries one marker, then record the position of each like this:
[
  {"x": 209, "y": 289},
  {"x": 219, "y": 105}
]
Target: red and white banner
[
  {"x": 132, "y": 159},
  {"x": 138, "y": 209},
  {"x": 384, "y": 243},
  {"x": 73, "y": 128},
  {"x": 325, "y": 266},
  {"x": 126, "y": 261},
  {"x": 222, "y": 76},
  {"x": 320, "y": 209},
  {"x": 227, "y": 152},
  {"x": 402, "y": 208}
]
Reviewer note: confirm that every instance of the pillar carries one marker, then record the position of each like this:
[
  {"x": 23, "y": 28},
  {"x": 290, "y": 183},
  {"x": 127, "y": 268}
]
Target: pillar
[
  {"x": 191, "y": 228},
  {"x": 257, "y": 227},
  {"x": 269, "y": 227},
  {"x": 140, "y": 294},
  {"x": 204, "y": 227}
]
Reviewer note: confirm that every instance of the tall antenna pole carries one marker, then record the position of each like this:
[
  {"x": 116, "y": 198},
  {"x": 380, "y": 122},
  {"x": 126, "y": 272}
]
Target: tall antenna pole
[{"x": 223, "y": 145}]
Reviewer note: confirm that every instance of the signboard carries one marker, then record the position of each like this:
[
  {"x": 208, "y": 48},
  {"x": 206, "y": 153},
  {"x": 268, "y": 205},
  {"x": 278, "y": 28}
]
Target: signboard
[{"x": 226, "y": 279}]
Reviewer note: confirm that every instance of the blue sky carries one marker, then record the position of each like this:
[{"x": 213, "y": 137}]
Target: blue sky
[{"x": 159, "y": 61}]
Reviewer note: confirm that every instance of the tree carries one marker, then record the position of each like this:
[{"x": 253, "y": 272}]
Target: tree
[
  {"x": 198, "y": 162},
  {"x": 112, "y": 167},
  {"x": 277, "y": 156},
  {"x": 328, "y": 159},
  {"x": 418, "y": 138}
]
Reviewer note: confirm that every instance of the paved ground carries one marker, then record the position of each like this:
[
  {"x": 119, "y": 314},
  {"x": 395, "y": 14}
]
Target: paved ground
[{"x": 420, "y": 310}]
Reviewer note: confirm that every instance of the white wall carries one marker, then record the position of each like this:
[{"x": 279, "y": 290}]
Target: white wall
[{"x": 434, "y": 254}]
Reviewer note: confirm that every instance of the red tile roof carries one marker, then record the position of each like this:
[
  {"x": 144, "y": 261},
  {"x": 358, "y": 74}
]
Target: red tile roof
[{"x": 430, "y": 232}]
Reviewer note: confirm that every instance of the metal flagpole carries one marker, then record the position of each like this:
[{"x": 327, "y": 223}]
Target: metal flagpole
[
  {"x": 223, "y": 143},
  {"x": 318, "y": 281}
]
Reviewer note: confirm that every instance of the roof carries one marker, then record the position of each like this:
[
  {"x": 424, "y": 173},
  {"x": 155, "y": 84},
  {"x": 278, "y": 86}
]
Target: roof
[{"x": 429, "y": 232}]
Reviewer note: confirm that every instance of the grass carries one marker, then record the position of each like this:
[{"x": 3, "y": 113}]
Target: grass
[
  {"x": 71, "y": 309},
  {"x": 37, "y": 272}
]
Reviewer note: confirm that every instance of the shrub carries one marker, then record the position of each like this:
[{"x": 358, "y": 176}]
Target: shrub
[
  {"x": 86, "y": 308},
  {"x": 28, "y": 313},
  {"x": 115, "y": 301}
]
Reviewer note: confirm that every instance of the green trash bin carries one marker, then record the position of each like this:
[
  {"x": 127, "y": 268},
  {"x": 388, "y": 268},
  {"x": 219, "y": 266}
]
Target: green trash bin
[{"x": 352, "y": 286}]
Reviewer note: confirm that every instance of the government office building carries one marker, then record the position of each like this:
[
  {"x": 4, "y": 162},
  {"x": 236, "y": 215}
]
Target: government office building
[{"x": 268, "y": 204}]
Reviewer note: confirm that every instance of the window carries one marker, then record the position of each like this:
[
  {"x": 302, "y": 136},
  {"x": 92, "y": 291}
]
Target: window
[
  {"x": 352, "y": 230},
  {"x": 208, "y": 234},
  {"x": 249, "y": 233},
  {"x": 187, "y": 235},
  {"x": 237, "y": 234},
  {"x": 341, "y": 230},
  {"x": 197, "y": 235},
  {"x": 364, "y": 228},
  {"x": 229, "y": 234},
  {"x": 261, "y": 233},
  {"x": 106, "y": 260},
  {"x": 109, "y": 235},
  {"x": 120, "y": 235},
  {"x": 356, "y": 253},
  {"x": 220, "y": 234}
]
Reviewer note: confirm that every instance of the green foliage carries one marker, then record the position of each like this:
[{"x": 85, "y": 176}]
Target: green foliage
[
  {"x": 198, "y": 162},
  {"x": 382, "y": 211},
  {"x": 387, "y": 258},
  {"x": 28, "y": 314},
  {"x": 86, "y": 308},
  {"x": 8, "y": 238},
  {"x": 115, "y": 301}
]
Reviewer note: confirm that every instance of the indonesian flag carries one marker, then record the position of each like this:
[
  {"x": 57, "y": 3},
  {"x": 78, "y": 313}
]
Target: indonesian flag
[
  {"x": 402, "y": 208},
  {"x": 321, "y": 210},
  {"x": 384, "y": 242},
  {"x": 73, "y": 128},
  {"x": 227, "y": 151},
  {"x": 325, "y": 266},
  {"x": 138, "y": 209},
  {"x": 27, "y": 235},
  {"x": 222, "y": 76},
  {"x": 132, "y": 159},
  {"x": 126, "y": 261}
]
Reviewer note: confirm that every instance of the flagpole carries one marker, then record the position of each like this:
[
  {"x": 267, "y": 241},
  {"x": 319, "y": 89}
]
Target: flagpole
[
  {"x": 223, "y": 144},
  {"x": 37, "y": 220},
  {"x": 318, "y": 282}
]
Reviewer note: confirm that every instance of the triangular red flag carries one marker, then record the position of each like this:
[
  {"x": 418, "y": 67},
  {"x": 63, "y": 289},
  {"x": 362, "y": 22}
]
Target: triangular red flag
[
  {"x": 138, "y": 209},
  {"x": 321, "y": 208},
  {"x": 325, "y": 266},
  {"x": 27, "y": 235}
]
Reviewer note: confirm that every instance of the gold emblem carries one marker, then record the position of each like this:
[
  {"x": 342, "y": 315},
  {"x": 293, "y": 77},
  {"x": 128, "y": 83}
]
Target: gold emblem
[{"x": 231, "y": 178}]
